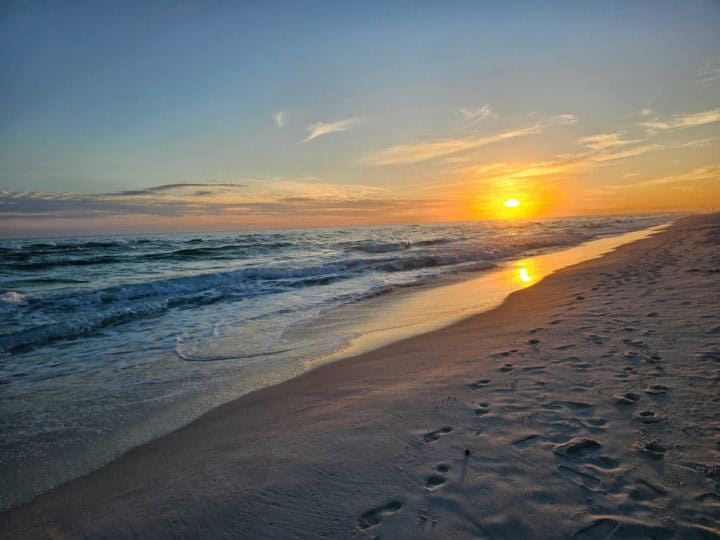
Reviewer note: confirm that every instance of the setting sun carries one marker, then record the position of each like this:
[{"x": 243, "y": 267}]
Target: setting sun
[{"x": 512, "y": 203}]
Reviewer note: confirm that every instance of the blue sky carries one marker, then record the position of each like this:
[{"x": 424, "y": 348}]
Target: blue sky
[{"x": 443, "y": 107}]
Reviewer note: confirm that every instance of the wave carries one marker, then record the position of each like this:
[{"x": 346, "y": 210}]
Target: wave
[
  {"x": 61, "y": 254},
  {"x": 52, "y": 263},
  {"x": 375, "y": 247},
  {"x": 68, "y": 329},
  {"x": 45, "y": 281},
  {"x": 368, "y": 246}
]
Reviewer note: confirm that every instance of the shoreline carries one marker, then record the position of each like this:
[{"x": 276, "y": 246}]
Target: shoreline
[
  {"x": 389, "y": 409},
  {"x": 453, "y": 298}
]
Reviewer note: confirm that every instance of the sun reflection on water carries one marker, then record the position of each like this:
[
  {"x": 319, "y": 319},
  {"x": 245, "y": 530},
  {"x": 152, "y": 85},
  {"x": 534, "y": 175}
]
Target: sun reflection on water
[{"x": 524, "y": 272}]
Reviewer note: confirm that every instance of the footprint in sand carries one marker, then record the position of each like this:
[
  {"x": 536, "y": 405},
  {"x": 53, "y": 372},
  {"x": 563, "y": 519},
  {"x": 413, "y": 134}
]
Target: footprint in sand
[
  {"x": 535, "y": 369},
  {"x": 648, "y": 417},
  {"x": 477, "y": 385},
  {"x": 533, "y": 341},
  {"x": 503, "y": 354},
  {"x": 483, "y": 408},
  {"x": 435, "y": 435},
  {"x": 573, "y": 405},
  {"x": 527, "y": 440},
  {"x": 437, "y": 479},
  {"x": 652, "y": 448},
  {"x": 583, "y": 479},
  {"x": 577, "y": 449},
  {"x": 376, "y": 515},
  {"x": 646, "y": 491},
  {"x": 507, "y": 368},
  {"x": 628, "y": 398}
]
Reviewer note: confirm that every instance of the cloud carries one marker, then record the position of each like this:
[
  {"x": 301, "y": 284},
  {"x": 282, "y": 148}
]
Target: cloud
[
  {"x": 424, "y": 151},
  {"x": 646, "y": 112},
  {"x": 603, "y": 141},
  {"x": 564, "y": 120},
  {"x": 700, "y": 173},
  {"x": 709, "y": 73},
  {"x": 279, "y": 197},
  {"x": 683, "y": 121},
  {"x": 697, "y": 143},
  {"x": 631, "y": 152},
  {"x": 319, "y": 129},
  {"x": 478, "y": 114},
  {"x": 280, "y": 118},
  {"x": 171, "y": 187}
]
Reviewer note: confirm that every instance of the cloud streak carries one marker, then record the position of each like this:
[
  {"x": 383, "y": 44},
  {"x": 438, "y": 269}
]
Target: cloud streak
[
  {"x": 603, "y": 141},
  {"x": 280, "y": 118},
  {"x": 622, "y": 154},
  {"x": 711, "y": 172},
  {"x": 171, "y": 187},
  {"x": 320, "y": 129},
  {"x": 424, "y": 151},
  {"x": 481, "y": 113},
  {"x": 683, "y": 121}
]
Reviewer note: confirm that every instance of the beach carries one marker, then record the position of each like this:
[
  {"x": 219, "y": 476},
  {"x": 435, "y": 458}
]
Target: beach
[{"x": 585, "y": 405}]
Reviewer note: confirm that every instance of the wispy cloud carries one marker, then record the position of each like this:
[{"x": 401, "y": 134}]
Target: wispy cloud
[
  {"x": 646, "y": 112},
  {"x": 280, "y": 118},
  {"x": 683, "y": 121},
  {"x": 711, "y": 172},
  {"x": 602, "y": 141},
  {"x": 319, "y": 129},
  {"x": 697, "y": 143},
  {"x": 424, "y": 151},
  {"x": 564, "y": 120},
  {"x": 709, "y": 73},
  {"x": 478, "y": 114},
  {"x": 172, "y": 187},
  {"x": 630, "y": 152}
]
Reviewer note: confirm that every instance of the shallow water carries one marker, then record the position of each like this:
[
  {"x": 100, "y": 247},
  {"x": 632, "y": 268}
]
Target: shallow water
[{"x": 108, "y": 342}]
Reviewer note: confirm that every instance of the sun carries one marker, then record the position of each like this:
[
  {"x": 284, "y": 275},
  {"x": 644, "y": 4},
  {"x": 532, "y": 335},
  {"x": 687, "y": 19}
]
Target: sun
[{"x": 512, "y": 203}]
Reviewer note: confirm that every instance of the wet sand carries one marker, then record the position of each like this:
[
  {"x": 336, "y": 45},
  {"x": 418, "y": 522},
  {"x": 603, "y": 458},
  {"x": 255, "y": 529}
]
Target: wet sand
[{"x": 587, "y": 405}]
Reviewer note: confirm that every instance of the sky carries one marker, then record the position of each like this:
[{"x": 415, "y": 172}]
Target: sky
[{"x": 138, "y": 117}]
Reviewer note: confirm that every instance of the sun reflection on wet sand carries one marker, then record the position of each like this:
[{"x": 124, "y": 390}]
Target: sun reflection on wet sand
[
  {"x": 524, "y": 273},
  {"x": 380, "y": 321}
]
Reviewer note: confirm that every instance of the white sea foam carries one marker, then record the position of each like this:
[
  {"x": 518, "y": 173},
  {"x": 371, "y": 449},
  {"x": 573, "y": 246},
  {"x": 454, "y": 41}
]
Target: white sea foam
[{"x": 13, "y": 298}]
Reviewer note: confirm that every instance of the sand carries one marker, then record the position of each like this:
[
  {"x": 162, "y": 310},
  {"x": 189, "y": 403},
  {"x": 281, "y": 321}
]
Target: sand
[{"x": 587, "y": 405}]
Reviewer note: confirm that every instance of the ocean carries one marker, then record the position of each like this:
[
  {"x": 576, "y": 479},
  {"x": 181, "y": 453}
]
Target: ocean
[{"x": 107, "y": 342}]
